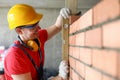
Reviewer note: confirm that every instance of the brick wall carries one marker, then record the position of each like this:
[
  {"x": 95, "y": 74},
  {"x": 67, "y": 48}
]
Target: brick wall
[{"x": 94, "y": 43}]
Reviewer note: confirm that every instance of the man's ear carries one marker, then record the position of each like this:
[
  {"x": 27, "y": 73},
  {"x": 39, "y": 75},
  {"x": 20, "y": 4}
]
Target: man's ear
[{"x": 18, "y": 30}]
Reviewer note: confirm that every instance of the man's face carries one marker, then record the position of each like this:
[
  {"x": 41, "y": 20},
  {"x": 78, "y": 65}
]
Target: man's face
[{"x": 30, "y": 31}]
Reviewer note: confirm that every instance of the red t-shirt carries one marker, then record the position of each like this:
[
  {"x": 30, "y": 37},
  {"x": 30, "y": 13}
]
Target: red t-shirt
[{"x": 16, "y": 62}]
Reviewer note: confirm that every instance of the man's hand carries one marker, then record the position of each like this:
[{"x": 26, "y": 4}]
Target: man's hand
[
  {"x": 63, "y": 72},
  {"x": 63, "y": 69},
  {"x": 65, "y": 12}
]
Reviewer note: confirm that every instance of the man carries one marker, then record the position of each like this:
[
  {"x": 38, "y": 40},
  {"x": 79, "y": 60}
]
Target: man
[{"x": 25, "y": 58}]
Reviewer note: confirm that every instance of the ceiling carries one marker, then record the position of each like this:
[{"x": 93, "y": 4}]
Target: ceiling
[{"x": 82, "y": 4}]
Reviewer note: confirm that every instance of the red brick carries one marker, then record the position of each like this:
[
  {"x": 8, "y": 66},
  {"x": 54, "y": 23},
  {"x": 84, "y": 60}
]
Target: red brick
[
  {"x": 73, "y": 18},
  {"x": 80, "y": 68},
  {"x": 110, "y": 62},
  {"x": 73, "y": 28},
  {"x": 85, "y": 20},
  {"x": 81, "y": 78},
  {"x": 80, "y": 39},
  {"x": 91, "y": 74},
  {"x": 111, "y": 36},
  {"x": 85, "y": 55},
  {"x": 107, "y": 78},
  {"x": 72, "y": 62},
  {"x": 72, "y": 40},
  {"x": 70, "y": 73},
  {"x": 75, "y": 76},
  {"x": 119, "y": 65},
  {"x": 107, "y": 61},
  {"x": 93, "y": 37},
  {"x": 76, "y": 52},
  {"x": 97, "y": 59},
  {"x": 70, "y": 50},
  {"x": 106, "y": 9}
]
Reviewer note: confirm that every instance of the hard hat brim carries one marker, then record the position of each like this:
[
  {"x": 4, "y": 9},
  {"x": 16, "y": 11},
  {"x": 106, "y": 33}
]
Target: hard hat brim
[{"x": 37, "y": 19}]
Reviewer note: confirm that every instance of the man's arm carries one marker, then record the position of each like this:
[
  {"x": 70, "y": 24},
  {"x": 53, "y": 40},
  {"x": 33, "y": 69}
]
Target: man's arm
[
  {"x": 26, "y": 76},
  {"x": 54, "y": 29}
]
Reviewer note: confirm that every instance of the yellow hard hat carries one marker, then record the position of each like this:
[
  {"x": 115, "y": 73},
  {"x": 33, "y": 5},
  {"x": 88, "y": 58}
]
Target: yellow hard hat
[{"x": 22, "y": 14}]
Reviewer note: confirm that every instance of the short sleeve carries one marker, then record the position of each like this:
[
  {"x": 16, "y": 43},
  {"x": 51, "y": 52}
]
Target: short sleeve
[{"x": 43, "y": 35}]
